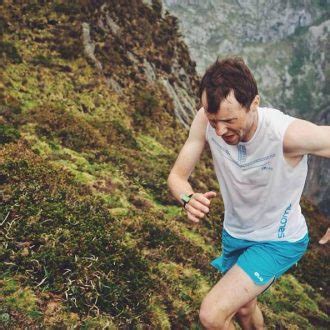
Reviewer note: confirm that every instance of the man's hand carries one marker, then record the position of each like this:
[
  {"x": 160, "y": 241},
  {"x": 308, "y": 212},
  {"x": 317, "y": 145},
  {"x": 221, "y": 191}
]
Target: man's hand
[
  {"x": 325, "y": 238},
  {"x": 199, "y": 205}
]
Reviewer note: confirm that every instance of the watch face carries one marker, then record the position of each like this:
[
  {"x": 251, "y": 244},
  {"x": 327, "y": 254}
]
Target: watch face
[{"x": 185, "y": 198}]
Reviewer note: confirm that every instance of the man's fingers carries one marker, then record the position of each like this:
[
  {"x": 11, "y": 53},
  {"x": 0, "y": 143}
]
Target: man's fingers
[
  {"x": 210, "y": 194},
  {"x": 199, "y": 205},
  {"x": 194, "y": 211},
  {"x": 200, "y": 198},
  {"x": 193, "y": 218},
  {"x": 325, "y": 238}
]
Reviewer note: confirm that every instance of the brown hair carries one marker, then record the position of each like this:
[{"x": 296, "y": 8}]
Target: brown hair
[{"x": 226, "y": 75}]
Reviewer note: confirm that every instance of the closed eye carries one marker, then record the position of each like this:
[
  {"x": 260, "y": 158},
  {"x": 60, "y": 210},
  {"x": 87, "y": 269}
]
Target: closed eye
[{"x": 229, "y": 121}]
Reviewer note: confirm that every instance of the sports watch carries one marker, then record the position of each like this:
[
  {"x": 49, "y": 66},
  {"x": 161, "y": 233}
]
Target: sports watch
[{"x": 185, "y": 199}]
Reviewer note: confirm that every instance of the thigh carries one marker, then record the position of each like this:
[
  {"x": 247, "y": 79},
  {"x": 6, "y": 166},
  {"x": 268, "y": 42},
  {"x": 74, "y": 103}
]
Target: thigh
[{"x": 234, "y": 290}]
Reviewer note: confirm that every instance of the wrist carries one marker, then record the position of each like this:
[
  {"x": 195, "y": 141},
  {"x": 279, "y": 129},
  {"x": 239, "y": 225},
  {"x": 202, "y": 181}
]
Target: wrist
[{"x": 185, "y": 198}]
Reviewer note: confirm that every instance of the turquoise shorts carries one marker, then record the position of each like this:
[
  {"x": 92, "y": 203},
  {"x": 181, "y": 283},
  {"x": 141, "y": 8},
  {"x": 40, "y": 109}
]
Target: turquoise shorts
[{"x": 263, "y": 261}]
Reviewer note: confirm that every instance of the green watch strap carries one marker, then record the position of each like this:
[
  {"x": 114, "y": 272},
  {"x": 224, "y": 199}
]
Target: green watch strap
[{"x": 186, "y": 199}]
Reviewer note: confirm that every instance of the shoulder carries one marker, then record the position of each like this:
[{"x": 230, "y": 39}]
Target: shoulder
[
  {"x": 199, "y": 125},
  {"x": 277, "y": 121},
  {"x": 274, "y": 115},
  {"x": 201, "y": 117}
]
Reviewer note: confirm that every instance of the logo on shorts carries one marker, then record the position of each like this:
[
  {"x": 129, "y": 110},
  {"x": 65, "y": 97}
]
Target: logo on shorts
[{"x": 261, "y": 279}]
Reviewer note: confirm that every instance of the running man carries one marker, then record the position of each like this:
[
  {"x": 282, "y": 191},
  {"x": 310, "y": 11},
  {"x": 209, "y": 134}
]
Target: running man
[{"x": 260, "y": 159}]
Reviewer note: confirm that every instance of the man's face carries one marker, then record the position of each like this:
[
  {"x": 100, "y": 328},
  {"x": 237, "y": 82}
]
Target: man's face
[{"x": 233, "y": 122}]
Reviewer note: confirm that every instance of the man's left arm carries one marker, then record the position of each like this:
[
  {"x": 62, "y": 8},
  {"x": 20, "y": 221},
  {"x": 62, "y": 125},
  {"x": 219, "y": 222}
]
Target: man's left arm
[{"x": 303, "y": 137}]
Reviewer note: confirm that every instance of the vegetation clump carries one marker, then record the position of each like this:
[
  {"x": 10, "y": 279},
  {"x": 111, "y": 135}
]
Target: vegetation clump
[
  {"x": 9, "y": 51},
  {"x": 8, "y": 134}
]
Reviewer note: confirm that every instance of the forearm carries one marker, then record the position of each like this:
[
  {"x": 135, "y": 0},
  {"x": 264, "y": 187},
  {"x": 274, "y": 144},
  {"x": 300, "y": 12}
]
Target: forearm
[{"x": 178, "y": 186}]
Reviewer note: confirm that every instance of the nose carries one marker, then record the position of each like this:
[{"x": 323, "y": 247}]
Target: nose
[{"x": 221, "y": 129}]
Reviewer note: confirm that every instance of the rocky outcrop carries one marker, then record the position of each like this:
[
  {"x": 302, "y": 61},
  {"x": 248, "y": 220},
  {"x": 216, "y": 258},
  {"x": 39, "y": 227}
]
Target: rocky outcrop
[
  {"x": 149, "y": 61},
  {"x": 317, "y": 187},
  {"x": 89, "y": 46}
]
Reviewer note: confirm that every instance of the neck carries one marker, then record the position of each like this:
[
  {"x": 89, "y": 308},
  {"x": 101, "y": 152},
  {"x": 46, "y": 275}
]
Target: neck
[{"x": 253, "y": 127}]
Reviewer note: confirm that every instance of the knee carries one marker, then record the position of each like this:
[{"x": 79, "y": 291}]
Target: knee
[
  {"x": 212, "y": 319},
  {"x": 247, "y": 310},
  {"x": 244, "y": 312}
]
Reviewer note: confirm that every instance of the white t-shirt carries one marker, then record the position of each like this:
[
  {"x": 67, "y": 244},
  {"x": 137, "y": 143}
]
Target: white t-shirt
[{"x": 260, "y": 190}]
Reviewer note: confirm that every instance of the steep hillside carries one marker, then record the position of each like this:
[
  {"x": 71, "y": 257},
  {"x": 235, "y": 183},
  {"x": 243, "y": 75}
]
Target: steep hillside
[
  {"x": 94, "y": 100},
  {"x": 285, "y": 44}
]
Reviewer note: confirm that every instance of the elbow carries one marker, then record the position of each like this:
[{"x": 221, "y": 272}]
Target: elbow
[{"x": 169, "y": 180}]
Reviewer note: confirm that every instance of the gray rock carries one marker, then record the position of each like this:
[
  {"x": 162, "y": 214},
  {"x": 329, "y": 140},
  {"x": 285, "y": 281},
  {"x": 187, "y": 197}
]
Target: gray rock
[{"x": 89, "y": 46}]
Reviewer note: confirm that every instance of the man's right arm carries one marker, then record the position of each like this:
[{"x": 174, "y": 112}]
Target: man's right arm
[{"x": 185, "y": 164}]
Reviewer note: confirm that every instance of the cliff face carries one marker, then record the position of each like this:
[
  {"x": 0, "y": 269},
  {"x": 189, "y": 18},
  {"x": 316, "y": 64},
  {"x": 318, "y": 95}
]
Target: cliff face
[
  {"x": 94, "y": 100},
  {"x": 285, "y": 43},
  {"x": 317, "y": 186}
]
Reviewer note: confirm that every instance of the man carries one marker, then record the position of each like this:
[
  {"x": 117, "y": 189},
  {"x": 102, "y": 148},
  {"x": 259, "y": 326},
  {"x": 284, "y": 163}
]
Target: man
[{"x": 260, "y": 159}]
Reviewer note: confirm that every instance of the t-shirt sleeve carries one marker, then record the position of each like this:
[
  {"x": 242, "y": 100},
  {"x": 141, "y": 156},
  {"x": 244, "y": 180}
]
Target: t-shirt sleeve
[{"x": 281, "y": 121}]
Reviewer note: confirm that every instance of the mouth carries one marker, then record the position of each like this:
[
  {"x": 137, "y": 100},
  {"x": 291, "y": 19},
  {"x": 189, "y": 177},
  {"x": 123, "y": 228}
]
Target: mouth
[{"x": 228, "y": 137}]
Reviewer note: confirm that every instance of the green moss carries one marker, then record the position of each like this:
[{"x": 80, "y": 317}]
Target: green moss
[
  {"x": 67, "y": 8},
  {"x": 3, "y": 25},
  {"x": 99, "y": 322},
  {"x": 171, "y": 211},
  {"x": 22, "y": 85},
  {"x": 186, "y": 288},
  {"x": 15, "y": 298},
  {"x": 159, "y": 314},
  {"x": 197, "y": 239},
  {"x": 70, "y": 128},
  {"x": 147, "y": 106},
  {"x": 117, "y": 202},
  {"x": 81, "y": 236},
  {"x": 8, "y": 134},
  {"x": 294, "y": 302},
  {"x": 126, "y": 134},
  {"x": 10, "y": 52},
  {"x": 152, "y": 146},
  {"x": 42, "y": 60}
]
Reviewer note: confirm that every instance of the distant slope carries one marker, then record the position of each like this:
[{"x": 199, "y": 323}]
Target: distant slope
[{"x": 94, "y": 97}]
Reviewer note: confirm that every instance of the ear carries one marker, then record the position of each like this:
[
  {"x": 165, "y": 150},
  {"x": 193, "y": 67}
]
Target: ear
[
  {"x": 255, "y": 103},
  {"x": 204, "y": 100}
]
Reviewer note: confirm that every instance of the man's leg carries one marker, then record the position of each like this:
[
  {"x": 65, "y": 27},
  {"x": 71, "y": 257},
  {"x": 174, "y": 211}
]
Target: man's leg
[
  {"x": 235, "y": 290},
  {"x": 250, "y": 316}
]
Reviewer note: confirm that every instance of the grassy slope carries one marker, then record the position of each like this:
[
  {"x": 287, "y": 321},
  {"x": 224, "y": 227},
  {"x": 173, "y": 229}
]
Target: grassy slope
[{"x": 90, "y": 235}]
